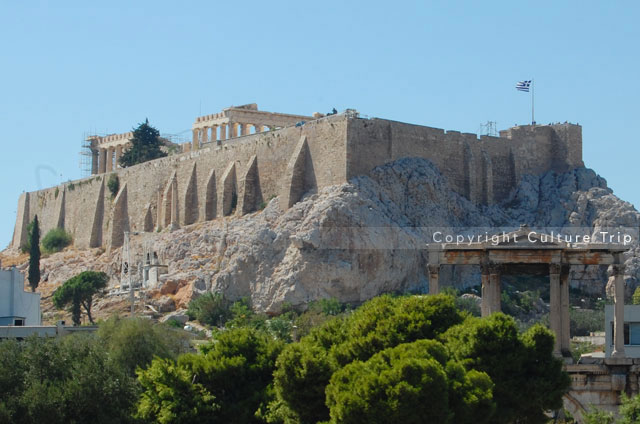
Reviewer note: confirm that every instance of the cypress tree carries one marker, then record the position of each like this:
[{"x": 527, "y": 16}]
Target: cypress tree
[
  {"x": 145, "y": 146},
  {"x": 34, "y": 256}
]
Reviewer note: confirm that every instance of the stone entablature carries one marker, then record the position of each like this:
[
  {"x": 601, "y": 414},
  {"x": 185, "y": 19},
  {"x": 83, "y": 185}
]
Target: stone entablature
[
  {"x": 236, "y": 176},
  {"x": 237, "y": 121}
]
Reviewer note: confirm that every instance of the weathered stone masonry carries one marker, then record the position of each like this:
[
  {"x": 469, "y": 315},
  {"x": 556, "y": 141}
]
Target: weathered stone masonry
[{"x": 236, "y": 175}]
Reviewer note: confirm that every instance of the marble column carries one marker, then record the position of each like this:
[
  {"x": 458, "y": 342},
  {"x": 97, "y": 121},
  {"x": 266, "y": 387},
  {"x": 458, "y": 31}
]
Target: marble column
[
  {"x": 259, "y": 128},
  {"x": 214, "y": 133},
  {"x": 555, "y": 309},
  {"x": 205, "y": 135},
  {"x": 118, "y": 154},
  {"x": 102, "y": 164},
  {"x": 486, "y": 293},
  {"x": 95, "y": 157},
  {"x": 618, "y": 309},
  {"x": 110, "y": 151},
  {"x": 196, "y": 139},
  {"x": 233, "y": 130},
  {"x": 434, "y": 277},
  {"x": 223, "y": 131},
  {"x": 195, "y": 142},
  {"x": 246, "y": 129}
]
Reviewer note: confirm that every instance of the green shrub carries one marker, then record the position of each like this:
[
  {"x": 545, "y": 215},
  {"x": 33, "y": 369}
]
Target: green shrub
[
  {"x": 243, "y": 316},
  {"x": 468, "y": 304},
  {"x": 210, "y": 309},
  {"x": 56, "y": 240},
  {"x": 113, "y": 184},
  {"x": 598, "y": 416},
  {"x": 134, "y": 342},
  {"x": 318, "y": 313},
  {"x": 174, "y": 323}
]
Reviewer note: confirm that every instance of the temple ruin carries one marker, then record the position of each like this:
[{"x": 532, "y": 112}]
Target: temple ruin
[
  {"x": 527, "y": 252},
  {"x": 594, "y": 382},
  {"x": 238, "y": 121},
  {"x": 106, "y": 151}
]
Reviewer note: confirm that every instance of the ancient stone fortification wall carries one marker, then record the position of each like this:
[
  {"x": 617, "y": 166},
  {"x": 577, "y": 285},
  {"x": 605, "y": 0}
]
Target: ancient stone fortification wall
[
  {"x": 242, "y": 173},
  {"x": 215, "y": 181},
  {"x": 484, "y": 170}
]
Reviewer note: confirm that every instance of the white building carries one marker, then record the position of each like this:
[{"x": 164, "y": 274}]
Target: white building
[
  {"x": 17, "y": 307},
  {"x": 631, "y": 330}
]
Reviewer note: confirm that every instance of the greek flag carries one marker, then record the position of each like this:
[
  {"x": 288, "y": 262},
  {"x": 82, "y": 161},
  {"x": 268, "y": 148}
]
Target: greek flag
[{"x": 523, "y": 86}]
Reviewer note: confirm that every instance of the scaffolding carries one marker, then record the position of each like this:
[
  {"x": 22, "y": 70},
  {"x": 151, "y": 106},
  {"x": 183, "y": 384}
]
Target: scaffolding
[
  {"x": 490, "y": 128},
  {"x": 86, "y": 154},
  {"x": 178, "y": 138}
]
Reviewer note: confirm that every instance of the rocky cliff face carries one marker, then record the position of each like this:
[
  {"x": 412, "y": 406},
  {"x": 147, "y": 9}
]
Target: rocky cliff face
[{"x": 357, "y": 240}]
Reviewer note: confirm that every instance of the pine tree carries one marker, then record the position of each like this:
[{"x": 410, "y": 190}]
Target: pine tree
[
  {"x": 34, "y": 255},
  {"x": 145, "y": 146}
]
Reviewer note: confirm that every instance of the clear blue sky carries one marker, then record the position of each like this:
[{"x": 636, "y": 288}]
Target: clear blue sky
[{"x": 70, "y": 67}]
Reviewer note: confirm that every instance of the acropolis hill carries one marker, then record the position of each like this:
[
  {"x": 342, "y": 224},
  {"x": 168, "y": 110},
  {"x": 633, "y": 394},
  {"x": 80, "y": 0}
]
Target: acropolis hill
[{"x": 228, "y": 170}]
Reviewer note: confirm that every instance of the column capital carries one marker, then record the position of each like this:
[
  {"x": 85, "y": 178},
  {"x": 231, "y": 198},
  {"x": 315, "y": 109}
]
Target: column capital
[{"x": 555, "y": 268}]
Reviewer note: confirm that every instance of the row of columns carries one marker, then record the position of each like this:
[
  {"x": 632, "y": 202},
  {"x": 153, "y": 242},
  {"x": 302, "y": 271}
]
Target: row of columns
[
  {"x": 230, "y": 130},
  {"x": 559, "y": 320},
  {"x": 105, "y": 159}
]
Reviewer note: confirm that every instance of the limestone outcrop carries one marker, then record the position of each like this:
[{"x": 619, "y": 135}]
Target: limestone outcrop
[{"x": 356, "y": 240}]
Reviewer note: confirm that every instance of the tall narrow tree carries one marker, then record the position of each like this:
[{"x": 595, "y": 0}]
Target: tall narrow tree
[{"x": 34, "y": 256}]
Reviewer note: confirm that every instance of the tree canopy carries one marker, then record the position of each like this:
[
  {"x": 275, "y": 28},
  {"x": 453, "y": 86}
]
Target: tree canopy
[
  {"x": 230, "y": 381},
  {"x": 62, "y": 380},
  {"x": 487, "y": 363},
  {"x": 78, "y": 291},
  {"x": 408, "y": 359},
  {"x": 134, "y": 342},
  {"x": 145, "y": 146}
]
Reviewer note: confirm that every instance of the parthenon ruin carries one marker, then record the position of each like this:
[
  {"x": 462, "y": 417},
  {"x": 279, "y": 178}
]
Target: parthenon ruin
[{"x": 237, "y": 121}]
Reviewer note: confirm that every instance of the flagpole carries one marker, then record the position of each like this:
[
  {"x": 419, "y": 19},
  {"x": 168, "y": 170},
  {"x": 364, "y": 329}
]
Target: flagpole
[{"x": 533, "y": 119}]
